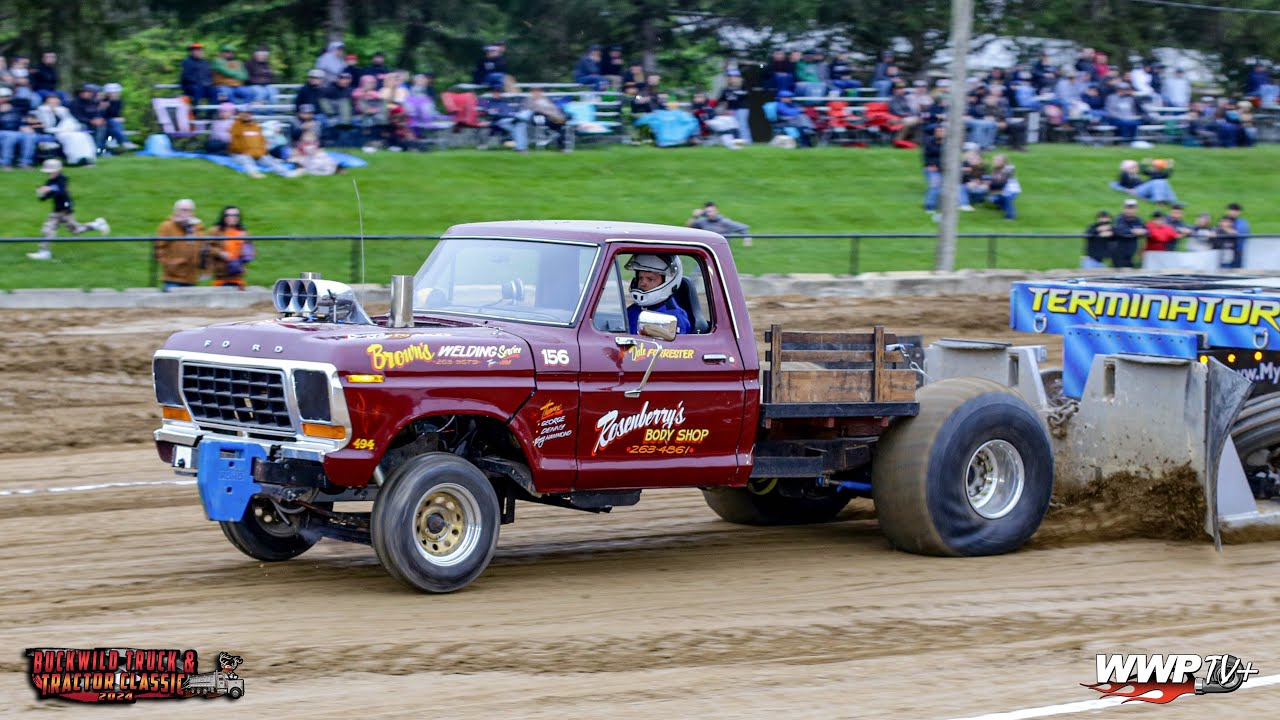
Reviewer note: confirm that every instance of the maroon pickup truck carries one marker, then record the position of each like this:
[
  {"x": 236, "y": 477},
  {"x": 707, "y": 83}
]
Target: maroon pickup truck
[{"x": 576, "y": 364}]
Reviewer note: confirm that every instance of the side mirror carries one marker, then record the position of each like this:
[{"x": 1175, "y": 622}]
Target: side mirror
[{"x": 657, "y": 325}]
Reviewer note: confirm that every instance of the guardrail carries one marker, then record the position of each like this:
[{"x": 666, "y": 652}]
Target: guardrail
[{"x": 856, "y": 242}]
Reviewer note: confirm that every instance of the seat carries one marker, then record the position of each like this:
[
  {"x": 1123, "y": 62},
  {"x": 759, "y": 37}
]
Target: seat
[
  {"x": 174, "y": 116},
  {"x": 687, "y": 298}
]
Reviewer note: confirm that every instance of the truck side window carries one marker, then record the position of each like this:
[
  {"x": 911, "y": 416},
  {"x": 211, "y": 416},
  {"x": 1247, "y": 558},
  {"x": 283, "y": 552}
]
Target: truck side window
[
  {"x": 610, "y": 313},
  {"x": 702, "y": 316}
]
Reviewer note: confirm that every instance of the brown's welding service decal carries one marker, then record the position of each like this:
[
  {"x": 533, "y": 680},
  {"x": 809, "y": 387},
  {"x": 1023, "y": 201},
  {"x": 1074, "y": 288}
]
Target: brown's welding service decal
[{"x": 126, "y": 675}]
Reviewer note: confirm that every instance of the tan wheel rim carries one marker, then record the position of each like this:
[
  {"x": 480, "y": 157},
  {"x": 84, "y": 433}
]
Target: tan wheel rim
[{"x": 447, "y": 524}]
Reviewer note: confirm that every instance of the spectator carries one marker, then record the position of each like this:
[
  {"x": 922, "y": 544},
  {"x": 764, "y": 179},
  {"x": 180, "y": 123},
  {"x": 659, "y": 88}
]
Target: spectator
[
  {"x": 983, "y": 121},
  {"x": 249, "y": 147},
  {"x": 1128, "y": 229},
  {"x": 1041, "y": 72},
  {"x": 229, "y": 251},
  {"x": 181, "y": 258},
  {"x": 841, "y": 74},
  {"x": 1201, "y": 236},
  {"x": 55, "y": 120},
  {"x": 422, "y": 109},
  {"x": 17, "y": 137},
  {"x": 900, "y": 107},
  {"x": 1123, "y": 111},
  {"x": 86, "y": 110},
  {"x": 671, "y": 126},
  {"x": 395, "y": 89},
  {"x": 1246, "y": 133},
  {"x": 734, "y": 101},
  {"x": 791, "y": 115},
  {"x": 1177, "y": 90},
  {"x": 332, "y": 62},
  {"x": 881, "y": 77},
  {"x": 502, "y": 115},
  {"x": 1161, "y": 236},
  {"x": 1140, "y": 80},
  {"x": 1258, "y": 84},
  {"x": 55, "y": 190},
  {"x": 1227, "y": 240},
  {"x": 352, "y": 68},
  {"x": 44, "y": 77},
  {"x": 811, "y": 74},
  {"x": 372, "y": 116},
  {"x": 634, "y": 74},
  {"x": 491, "y": 68},
  {"x": 1004, "y": 186},
  {"x": 1226, "y": 124},
  {"x": 1240, "y": 227},
  {"x": 973, "y": 173},
  {"x": 312, "y": 92},
  {"x": 1098, "y": 240},
  {"x": 587, "y": 70},
  {"x": 781, "y": 73},
  {"x": 541, "y": 106},
  {"x": 303, "y": 122},
  {"x": 1178, "y": 222},
  {"x": 219, "y": 139},
  {"x": 1156, "y": 189},
  {"x": 197, "y": 76},
  {"x": 261, "y": 77},
  {"x": 229, "y": 76},
  {"x": 111, "y": 106},
  {"x": 708, "y": 217},
  {"x": 613, "y": 66},
  {"x": 337, "y": 108},
  {"x": 24, "y": 98},
  {"x": 378, "y": 68},
  {"x": 932, "y": 156}
]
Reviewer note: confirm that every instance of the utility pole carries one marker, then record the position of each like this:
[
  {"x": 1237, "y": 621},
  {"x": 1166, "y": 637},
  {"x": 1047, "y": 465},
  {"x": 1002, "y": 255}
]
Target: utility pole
[{"x": 961, "y": 30}]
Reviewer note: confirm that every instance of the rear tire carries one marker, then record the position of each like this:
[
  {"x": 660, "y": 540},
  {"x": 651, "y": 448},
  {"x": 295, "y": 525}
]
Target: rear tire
[
  {"x": 267, "y": 542},
  {"x": 972, "y": 474},
  {"x": 760, "y": 503},
  {"x": 435, "y": 523}
]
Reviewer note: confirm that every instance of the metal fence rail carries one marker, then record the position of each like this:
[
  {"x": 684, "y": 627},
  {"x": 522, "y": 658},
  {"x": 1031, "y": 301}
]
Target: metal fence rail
[{"x": 855, "y": 242}]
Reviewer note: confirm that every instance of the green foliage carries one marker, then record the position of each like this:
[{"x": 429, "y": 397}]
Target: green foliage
[{"x": 835, "y": 190}]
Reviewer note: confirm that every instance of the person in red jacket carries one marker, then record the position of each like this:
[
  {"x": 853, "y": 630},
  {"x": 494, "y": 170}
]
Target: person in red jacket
[{"x": 1160, "y": 234}]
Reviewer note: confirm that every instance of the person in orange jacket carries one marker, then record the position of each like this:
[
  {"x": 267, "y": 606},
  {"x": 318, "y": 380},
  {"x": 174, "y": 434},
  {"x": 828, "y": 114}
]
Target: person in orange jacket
[
  {"x": 249, "y": 147},
  {"x": 229, "y": 250},
  {"x": 182, "y": 257}
]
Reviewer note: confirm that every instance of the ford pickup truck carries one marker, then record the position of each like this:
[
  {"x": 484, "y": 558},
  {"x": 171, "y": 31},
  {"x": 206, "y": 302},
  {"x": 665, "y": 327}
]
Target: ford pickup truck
[{"x": 512, "y": 367}]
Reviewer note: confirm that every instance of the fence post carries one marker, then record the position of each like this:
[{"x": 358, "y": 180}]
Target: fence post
[
  {"x": 855, "y": 250},
  {"x": 991, "y": 252},
  {"x": 152, "y": 265},
  {"x": 353, "y": 272}
]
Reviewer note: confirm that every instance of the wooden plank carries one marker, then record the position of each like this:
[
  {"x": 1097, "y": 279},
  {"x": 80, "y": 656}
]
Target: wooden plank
[
  {"x": 880, "y": 385},
  {"x": 834, "y": 386},
  {"x": 826, "y": 356},
  {"x": 775, "y": 374},
  {"x": 832, "y": 338}
]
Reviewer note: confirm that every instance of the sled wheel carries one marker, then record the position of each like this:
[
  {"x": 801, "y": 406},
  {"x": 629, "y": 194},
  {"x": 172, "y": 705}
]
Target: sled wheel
[
  {"x": 435, "y": 523},
  {"x": 279, "y": 539},
  {"x": 971, "y": 474},
  {"x": 761, "y": 503}
]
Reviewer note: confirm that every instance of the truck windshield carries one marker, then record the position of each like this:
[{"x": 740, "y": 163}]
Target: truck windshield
[{"x": 523, "y": 280}]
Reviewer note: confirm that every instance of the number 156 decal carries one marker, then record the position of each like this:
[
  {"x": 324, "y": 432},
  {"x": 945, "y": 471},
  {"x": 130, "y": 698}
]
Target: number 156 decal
[{"x": 555, "y": 357}]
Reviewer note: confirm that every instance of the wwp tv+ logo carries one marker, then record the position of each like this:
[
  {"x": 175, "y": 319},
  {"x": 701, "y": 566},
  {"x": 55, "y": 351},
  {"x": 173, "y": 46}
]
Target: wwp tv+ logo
[{"x": 1163, "y": 678}]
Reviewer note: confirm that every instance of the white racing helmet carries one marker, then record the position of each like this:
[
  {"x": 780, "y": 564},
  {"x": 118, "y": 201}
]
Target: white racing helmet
[{"x": 665, "y": 265}]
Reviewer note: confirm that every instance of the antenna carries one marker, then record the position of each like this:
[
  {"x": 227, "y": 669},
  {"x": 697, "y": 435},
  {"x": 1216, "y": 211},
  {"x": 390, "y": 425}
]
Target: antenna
[{"x": 360, "y": 214}]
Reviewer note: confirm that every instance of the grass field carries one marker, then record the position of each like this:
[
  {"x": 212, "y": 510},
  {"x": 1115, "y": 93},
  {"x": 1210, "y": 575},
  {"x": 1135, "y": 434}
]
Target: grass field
[{"x": 840, "y": 190}]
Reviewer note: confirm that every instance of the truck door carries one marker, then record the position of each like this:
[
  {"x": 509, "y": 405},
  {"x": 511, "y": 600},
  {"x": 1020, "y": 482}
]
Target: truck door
[{"x": 683, "y": 426}]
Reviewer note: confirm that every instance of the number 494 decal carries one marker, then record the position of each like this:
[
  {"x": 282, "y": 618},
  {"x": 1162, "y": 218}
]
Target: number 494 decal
[{"x": 555, "y": 357}]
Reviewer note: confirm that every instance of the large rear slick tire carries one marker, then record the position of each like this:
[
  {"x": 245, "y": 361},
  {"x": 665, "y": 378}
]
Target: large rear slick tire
[
  {"x": 435, "y": 523},
  {"x": 274, "y": 541},
  {"x": 971, "y": 474},
  {"x": 761, "y": 503}
]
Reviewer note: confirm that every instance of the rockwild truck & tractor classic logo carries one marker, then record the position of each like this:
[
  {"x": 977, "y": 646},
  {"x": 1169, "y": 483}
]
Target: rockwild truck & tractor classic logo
[{"x": 126, "y": 675}]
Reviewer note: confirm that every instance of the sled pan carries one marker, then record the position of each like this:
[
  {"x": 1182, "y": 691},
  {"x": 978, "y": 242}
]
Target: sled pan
[{"x": 1141, "y": 414}]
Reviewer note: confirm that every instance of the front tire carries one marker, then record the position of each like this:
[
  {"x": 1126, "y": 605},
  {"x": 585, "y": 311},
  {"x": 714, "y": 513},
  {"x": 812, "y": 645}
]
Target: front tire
[
  {"x": 435, "y": 523},
  {"x": 273, "y": 541},
  {"x": 972, "y": 474},
  {"x": 761, "y": 503}
]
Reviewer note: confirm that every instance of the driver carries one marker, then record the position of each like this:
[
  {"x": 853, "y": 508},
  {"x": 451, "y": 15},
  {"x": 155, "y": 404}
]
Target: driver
[{"x": 656, "y": 276}]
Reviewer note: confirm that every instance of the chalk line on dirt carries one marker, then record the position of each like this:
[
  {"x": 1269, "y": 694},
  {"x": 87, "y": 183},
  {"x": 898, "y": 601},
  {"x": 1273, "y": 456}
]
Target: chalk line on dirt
[{"x": 90, "y": 488}]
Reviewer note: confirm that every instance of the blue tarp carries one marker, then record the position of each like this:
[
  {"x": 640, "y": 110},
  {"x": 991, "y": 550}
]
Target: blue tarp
[{"x": 344, "y": 160}]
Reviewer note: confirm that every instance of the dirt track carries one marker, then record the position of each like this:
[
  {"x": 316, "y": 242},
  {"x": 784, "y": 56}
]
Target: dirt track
[{"x": 659, "y": 610}]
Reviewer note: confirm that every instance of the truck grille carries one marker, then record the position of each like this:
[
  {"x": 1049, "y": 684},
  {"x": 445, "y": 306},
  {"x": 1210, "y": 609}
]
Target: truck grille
[{"x": 252, "y": 399}]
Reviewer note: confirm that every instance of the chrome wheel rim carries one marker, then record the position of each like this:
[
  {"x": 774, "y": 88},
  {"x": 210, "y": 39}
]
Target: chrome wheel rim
[
  {"x": 447, "y": 525},
  {"x": 994, "y": 479}
]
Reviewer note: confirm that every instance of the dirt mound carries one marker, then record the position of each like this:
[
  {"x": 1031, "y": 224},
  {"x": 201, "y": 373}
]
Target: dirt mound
[{"x": 1126, "y": 505}]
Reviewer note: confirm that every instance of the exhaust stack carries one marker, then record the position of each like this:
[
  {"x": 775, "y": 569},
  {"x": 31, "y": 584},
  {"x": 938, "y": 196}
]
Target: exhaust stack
[{"x": 401, "y": 314}]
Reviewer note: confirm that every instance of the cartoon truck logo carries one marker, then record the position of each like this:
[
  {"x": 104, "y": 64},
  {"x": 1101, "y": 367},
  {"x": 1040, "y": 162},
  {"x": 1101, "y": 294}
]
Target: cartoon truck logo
[{"x": 224, "y": 681}]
